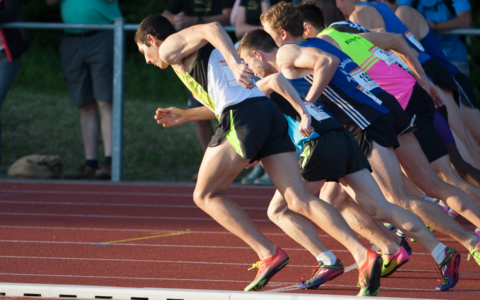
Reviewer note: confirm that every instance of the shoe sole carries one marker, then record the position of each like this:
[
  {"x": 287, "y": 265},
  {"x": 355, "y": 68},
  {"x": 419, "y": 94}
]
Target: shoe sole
[
  {"x": 261, "y": 283},
  {"x": 374, "y": 278},
  {"x": 394, "y": 269},
  {"x": 315, "y": 286}
]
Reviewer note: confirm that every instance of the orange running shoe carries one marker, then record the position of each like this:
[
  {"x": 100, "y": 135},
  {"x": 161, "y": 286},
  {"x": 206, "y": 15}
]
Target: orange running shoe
[
  {"x": 369, "y": 275},
  {"x": 267, "y": 268}
]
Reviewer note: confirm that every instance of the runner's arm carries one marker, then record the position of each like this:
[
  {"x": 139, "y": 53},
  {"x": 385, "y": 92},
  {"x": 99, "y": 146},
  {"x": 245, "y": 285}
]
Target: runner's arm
[
  {"x": 173, "y": 116},
  {"x": 323, "y": 64},
  {"x": 184, "y": 43},
  {"x": 278, "y": 83}
]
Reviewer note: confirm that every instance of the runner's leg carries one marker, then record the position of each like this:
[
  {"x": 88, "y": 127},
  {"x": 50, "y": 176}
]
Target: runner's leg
[
  {"x": 219, "y": 168},
  {"x": 471, "y": 116}
]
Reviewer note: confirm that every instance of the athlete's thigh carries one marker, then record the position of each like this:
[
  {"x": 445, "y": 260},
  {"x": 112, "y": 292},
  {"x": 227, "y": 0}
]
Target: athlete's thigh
[
  {"x": 414, "y": 161},
  {"x": 334, "y": 194},
  {"x": 220, "y": 166},
  {"x": 284, "y": 172},
  {"x": 386, "y": 169}
]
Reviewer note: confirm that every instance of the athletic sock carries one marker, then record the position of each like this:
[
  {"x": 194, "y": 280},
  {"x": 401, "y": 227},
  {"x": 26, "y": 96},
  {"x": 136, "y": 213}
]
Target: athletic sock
[
  {"x": 425, "y": 197},
  {"x": 93, "y": 163},
  {"x": 327, "y": 258},
  {"x": 107, "y": 160},
  {"x": 439, "y": 253}
]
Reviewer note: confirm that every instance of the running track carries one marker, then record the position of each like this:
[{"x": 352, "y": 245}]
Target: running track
[{"x": 154, "y": 236}]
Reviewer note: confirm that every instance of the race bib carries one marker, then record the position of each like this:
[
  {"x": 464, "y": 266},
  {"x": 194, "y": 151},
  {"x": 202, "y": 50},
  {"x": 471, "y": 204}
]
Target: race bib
[
  {"x": 414, "y": 41},
  {"x": 365, "y": 82},
  {"x": 399, "y": 62},
  {"x": 372, "y": 96},
  {"x": 232, "y": 82},
  {"x": 316, "y": 112},
  {"x": 382, "y": 55}
]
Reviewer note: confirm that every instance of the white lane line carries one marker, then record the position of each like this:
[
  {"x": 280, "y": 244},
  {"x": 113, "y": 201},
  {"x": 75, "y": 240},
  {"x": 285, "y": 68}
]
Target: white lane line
[
  {"x": 117, "y": 217},
  {"x": 115, "y": 204},
  {"x": 141, "y": 261},
  {"x": 287, "y": 288},
  {"x": 190, "y": 195},
  {"x": 216, "y": 280}
]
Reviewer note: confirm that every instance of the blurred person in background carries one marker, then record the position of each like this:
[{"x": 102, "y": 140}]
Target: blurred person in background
[
  {"x": 248, "y": 18},
  {"x": 186, "y": 13},
  {"x": 87, "y": 63},
  {"x": 444, "y": 15},
  {"x": 13, "y": 43}
]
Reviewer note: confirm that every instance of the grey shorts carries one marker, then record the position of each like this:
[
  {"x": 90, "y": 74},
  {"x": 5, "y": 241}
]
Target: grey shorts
[{"x": 87, "y": 64}]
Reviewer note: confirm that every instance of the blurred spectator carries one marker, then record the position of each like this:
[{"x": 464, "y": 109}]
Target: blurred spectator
[
  {"x": 186, "y": 13},
  {"x": 87, "y": 62},
  {"x": 13, "y": 44},
  {"x": 233, "y": 15},
  {"x": 446, "y": 15}
]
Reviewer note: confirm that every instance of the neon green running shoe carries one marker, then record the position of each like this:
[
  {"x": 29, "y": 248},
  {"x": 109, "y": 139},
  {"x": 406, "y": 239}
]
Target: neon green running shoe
[
  {"x": 475, "y": 251},
  {"x": 267, "y": 268},
  {"x": 392, "y": 262}
]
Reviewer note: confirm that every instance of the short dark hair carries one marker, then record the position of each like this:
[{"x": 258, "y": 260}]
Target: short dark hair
[
  {"x": 156, "y": 25},
  {"x": 284, "y": 16},
  {"x": 256, "y": 39},
  {"x": 312, "y": 14}
]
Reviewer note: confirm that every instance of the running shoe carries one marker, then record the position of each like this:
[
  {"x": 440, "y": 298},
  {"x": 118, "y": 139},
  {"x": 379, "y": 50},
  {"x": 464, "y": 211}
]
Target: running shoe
[
  {"x": 369, "y": 275},
  {"x": 267, "y": 268},
  {"x": 405, "y": 245},
  {"x": 449, "y": 270},
  {"x": 394, "y": 261},
  {"x": 322, "y": 274},
  {"x": 389, "y": 226},
  {"x": 475, "y": 251}
]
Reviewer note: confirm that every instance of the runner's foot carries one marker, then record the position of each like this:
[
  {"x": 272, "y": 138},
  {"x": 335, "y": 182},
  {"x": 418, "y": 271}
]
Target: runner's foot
[
  {"x": 449, "y": 270},
  {"x": 267, "y": 268},
  {"x": 392, "y": 262},
  {"x": 322, "y": 274},
  {"x": 475, "y": 251},
  {"x": 369, "y": 275}
]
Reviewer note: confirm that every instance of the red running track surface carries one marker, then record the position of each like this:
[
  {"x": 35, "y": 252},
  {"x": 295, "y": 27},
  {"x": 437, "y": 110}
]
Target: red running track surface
[{"x": 52, "y": 233}]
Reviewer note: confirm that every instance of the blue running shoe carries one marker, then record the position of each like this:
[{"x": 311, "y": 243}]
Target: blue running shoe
[
  {"x": 321, "y": 274},
  {"x": 389, "y": 226},
  {"x": 449, "y": 270}
]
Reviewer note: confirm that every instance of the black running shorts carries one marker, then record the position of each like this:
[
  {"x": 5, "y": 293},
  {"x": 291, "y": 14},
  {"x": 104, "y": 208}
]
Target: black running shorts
[
  {"x": 420, "y": 112},
  {"x": 466, "y": 93},
  {"x": 382, "y": 131},
  {"x": 402, "y": 125},
  {"x": 256, "y": 128},
  {"x": 332, "y": 155},
  {"x": 440, "y": 75}
]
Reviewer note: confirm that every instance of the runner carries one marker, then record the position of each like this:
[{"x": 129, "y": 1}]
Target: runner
[
  {"x": 251, "y": 128},
  {"x": 297, "y": 65},
  {"x": 376, "y": 65}
]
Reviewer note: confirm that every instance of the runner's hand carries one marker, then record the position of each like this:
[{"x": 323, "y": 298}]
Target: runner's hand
[
  {"x": 243, "y": 75},
  {"x": 251, "y": 165},
  {"x": 170, "y": 117},
  {"x": 433, "y": 92},
  {"x": 306, "y": 128}
]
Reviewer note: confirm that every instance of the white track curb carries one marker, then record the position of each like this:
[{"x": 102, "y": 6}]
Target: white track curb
[{"x": 105, "y": 292}]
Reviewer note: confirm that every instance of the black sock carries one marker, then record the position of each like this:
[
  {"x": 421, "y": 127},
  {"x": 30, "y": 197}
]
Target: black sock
[
  {"x": 92, "y": 163},
  {"x": 108, "y": 160}
]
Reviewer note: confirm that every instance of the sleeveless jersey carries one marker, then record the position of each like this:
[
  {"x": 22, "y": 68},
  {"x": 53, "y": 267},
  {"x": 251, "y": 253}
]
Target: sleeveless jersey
[
  {"x": 343, "y": 96},
  {"x": 212, "y": 82},
  {"x": 378, "y": 64},
  {"x": 395, "y": 25},
  {"x": 322, "y": 120}
]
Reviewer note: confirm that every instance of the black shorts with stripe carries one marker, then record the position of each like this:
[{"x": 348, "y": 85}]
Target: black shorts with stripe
[
  {"x": 420, "y": 112},
  {"x": 334, "y": 154},
  {"x": 402, "y": 125},
  {"x": 382, "y": 131},
  {"x": 466, "y": 93},
  {"x": 255, "y": 127}
]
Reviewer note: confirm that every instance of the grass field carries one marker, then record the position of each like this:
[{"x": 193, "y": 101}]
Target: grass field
[{"x": 38, "y": 116}]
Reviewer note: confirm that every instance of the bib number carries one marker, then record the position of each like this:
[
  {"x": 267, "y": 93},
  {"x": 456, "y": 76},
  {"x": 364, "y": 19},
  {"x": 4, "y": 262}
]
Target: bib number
[
  {"x": 382, "y": 55},
  {"x": 414, "y": 41},
  {"x": 365, "y": 84},
  {"x": 316, "y": 112},
  {"x": 399, "y": 62},
  {"x": 232, "y": 82}
]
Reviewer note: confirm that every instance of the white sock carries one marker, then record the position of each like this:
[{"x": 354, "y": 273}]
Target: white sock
[
  {"x": 425, "y": 197},
  {"x": 439, "y": 253},
  {"x": 327, "y": 258}
]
